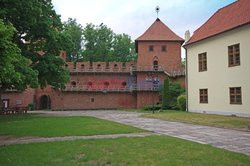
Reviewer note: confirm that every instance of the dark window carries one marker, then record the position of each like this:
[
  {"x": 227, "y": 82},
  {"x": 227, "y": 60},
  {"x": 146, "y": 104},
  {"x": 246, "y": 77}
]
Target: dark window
[
  {"x": 91, "y": 65},
  {"x": 235, "y": 95},
  {"x": 66, "y": 65},
  {"x": 202, "y": 62},
  {"x": 82, "y": 66},
  {"x": 151, "y": 48},
  {"x": 74, "y": 66},
  {"x": 234, "y": 55},
  {"x": 107, "y": 65},
  {"x": 124, "y": 84},
  {"x": 73, "y": 83},
  {"x": 106, "y": 84},
  {"x": 99, "y": 66},
  {"x": 115, "y": 66},
  {"x": 203, "y": 96},
  {"x": 163, "y": 48},
  {"x": 92, "y": 99}
]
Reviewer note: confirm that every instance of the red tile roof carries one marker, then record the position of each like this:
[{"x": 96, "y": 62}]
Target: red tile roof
[
  {"x": 158, "y": 31},
  {"x": 225, "y": 19}
]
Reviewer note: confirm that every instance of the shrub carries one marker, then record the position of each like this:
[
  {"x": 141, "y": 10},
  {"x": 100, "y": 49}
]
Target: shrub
[
  {"x": 181, "y": 100},
  {"x": 151, "y": 107},
  {"x": 173, "y": 90},
  {"x": 31, "y": 106},
  {"x": 166, "y": 98}
]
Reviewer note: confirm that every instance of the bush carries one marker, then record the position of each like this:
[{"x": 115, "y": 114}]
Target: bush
[
  {"x": 181, "y": 101},
  {"x": 174, "y": 90},
  {"x": 151, "y": 107},
  {"x": 31, "y": 106}
]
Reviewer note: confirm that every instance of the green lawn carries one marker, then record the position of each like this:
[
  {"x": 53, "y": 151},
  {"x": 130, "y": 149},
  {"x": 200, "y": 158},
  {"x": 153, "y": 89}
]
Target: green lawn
[
  {"x": 203, "y": 119},
  {"x": 153, "y": 150},
  {"x": 31, "y": 125}
]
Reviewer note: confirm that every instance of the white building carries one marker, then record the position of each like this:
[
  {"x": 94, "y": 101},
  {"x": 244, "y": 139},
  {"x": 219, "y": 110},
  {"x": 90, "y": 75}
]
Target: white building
[{"x": 218, "y": 63}]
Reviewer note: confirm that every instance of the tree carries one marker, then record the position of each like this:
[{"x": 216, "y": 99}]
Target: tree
[
  {"x": 16, "y": 72},
  {"x": 97, "y": 42},
  {"x": 123, "y": 48},
  {"x": 75, "y": 32},
  {"x": 38, "y": 29},
  {"x": 100, "y": 43},
  {"x": 166, "y": 97}
]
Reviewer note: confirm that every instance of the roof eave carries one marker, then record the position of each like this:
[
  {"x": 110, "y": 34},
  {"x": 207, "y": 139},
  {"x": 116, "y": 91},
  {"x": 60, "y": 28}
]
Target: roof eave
[{"x": 188, "y": 44}]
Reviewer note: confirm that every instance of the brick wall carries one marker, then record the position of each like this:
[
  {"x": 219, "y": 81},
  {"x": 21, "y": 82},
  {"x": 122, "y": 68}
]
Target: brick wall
[{"x": 171, "y": 59}]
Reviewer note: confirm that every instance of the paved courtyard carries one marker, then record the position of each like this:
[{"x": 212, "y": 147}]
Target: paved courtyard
[{"x": 233, "y": 140}]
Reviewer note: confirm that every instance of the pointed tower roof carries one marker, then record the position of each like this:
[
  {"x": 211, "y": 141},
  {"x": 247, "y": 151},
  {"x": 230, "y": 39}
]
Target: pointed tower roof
[{"x": 158, "y": 31}]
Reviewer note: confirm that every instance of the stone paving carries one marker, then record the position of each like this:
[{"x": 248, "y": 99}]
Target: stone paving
[
  {"x": 233, "y": 140},
  {"x": 27, "y": 140}
]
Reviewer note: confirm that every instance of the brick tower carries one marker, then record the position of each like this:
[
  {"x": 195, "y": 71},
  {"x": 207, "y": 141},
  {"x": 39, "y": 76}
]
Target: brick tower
[{"x": 159, "y": 56}]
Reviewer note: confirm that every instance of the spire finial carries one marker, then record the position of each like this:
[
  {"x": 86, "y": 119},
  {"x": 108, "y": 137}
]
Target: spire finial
[{"x": 157, "y": 9}]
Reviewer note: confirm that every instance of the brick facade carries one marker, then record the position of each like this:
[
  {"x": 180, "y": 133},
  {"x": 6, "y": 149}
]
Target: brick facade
[{"x": 101, "y": 85}]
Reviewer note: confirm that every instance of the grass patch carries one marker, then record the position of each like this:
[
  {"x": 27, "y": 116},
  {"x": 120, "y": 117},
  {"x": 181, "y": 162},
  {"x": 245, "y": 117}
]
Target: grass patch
[
  {"x": 203, "y": 119},
  {"x": 30, "y": 125},
  {"x": 153, "y": 150}
]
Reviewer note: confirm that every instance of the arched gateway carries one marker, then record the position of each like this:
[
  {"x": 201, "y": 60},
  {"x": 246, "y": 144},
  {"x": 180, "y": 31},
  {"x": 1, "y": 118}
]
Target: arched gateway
[{"x": 44, "y": 102}]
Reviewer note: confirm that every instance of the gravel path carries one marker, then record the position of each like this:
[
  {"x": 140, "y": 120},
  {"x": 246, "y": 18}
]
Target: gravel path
[{"x": 27, "y": 140}]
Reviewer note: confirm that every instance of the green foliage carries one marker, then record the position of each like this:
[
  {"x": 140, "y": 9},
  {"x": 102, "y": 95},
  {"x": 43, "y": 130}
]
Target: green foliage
[
  {"x": 75, "y": 33},
  {"x": 38, "y": 28},
  {"x": 181, "y": 101},
  {"x": 15, "y": 69},
  {"x": 100, "y": 43},
  {"x": 31, "y": 106},
  {"x": 123, "y": 48},
  {"x": 169, "y": 94},
  {"x": 166, "y": 97},
  {"x": 152, "y": 107}
]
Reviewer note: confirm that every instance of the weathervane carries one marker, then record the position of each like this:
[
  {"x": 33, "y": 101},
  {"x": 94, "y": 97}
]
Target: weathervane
[{"x": 157, "y": 9}]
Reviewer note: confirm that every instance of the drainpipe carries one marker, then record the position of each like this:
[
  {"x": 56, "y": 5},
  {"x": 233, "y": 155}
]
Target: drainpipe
[{"x": 186, "y": 78}]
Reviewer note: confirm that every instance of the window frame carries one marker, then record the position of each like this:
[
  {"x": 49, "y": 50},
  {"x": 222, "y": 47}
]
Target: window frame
[
  {"x": 202, "y": 62},
  {"x": 203, "y": 96},
  {"x": 164, "y": 48},
  {"x": 232, "y": 55},
  {"x": 151, "y": 48},
  {"x": 237, "y": 92}
]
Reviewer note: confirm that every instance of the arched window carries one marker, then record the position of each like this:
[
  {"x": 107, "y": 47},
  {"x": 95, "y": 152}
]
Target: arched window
[
  {"x": 73, "y": 83},
  {"x": 155, "y": 64},
  {"x": 124, "y": 84},
  {"x": 99, "y": 66},
  {"x": 82, "y": 66},
  {"x": 115, "y": 66}
]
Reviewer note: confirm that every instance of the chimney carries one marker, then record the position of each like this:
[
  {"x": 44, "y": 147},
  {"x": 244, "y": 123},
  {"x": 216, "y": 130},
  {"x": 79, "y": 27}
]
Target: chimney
[{"x": 187, "y": 36}]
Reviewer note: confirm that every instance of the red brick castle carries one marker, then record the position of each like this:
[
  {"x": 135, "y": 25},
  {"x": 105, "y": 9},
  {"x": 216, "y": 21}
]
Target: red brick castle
[{"x": 111, "y": 85}]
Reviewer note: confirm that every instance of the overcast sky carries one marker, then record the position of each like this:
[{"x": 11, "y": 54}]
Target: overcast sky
[{"x": 133, "y": 17}]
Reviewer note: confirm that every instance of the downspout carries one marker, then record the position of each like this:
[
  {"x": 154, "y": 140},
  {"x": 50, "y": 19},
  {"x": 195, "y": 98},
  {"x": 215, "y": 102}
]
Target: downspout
[{"x": 186, "y": 78}]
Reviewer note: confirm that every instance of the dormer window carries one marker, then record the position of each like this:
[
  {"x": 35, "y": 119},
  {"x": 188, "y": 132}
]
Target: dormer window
[{"x": 151, "y": 48}]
